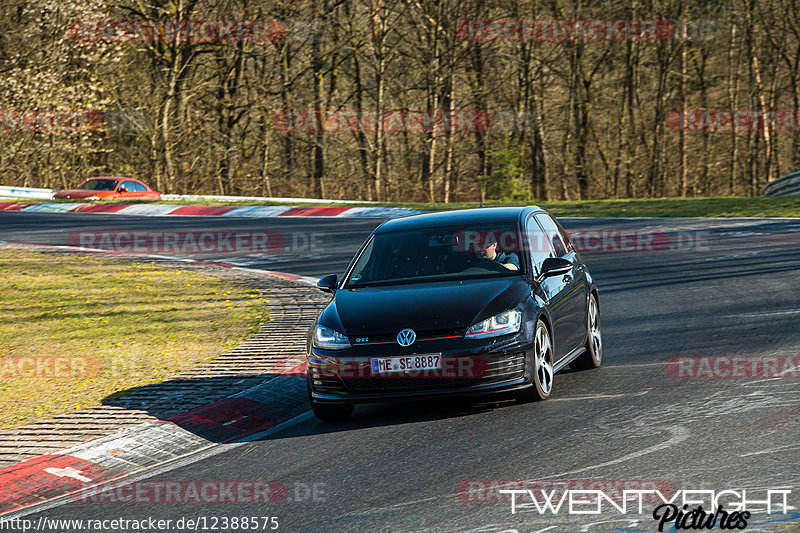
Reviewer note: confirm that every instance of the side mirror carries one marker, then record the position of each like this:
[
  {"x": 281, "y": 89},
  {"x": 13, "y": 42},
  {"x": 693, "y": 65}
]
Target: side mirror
[
  {"x": 328, "y": 283},
  {"x": 553, "y": 266}
]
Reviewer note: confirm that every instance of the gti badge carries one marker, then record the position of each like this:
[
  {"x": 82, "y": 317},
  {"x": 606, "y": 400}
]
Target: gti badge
[{"x": 406, "y": 337}]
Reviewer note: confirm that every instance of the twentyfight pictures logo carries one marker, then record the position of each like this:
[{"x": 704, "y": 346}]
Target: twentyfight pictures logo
[{"x": 681, "y": 509}]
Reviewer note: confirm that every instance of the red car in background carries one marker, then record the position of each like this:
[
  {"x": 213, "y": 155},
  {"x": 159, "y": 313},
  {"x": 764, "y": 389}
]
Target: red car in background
[{"x": 110, "y": 188}]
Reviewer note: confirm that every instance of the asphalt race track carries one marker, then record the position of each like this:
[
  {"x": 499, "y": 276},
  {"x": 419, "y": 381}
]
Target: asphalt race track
[
  {"x": 312, "y": 247},
  {"x": 716, "y": 290}
]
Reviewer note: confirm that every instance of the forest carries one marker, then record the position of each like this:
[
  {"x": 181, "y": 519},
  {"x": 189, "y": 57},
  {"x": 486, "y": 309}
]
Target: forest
[{"x": 403, "y": 100}]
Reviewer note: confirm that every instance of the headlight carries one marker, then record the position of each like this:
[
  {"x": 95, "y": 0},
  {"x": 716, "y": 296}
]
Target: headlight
[
  {"x": 329, "y": 339},
  {"x": 501, "y": 324}
]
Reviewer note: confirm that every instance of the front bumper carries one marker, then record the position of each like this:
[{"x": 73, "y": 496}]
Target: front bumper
[{"x": 467, "y": 371}]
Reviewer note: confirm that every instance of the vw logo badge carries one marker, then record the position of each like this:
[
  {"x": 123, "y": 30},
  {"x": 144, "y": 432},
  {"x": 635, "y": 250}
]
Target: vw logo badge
[{"x": 406, "y": 337}]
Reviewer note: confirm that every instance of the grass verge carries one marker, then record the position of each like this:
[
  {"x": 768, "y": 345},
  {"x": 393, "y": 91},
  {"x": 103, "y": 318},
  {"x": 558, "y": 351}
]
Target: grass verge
[
  {"x": 75, "y": 329},
  {"x": 729, "y": 206}
]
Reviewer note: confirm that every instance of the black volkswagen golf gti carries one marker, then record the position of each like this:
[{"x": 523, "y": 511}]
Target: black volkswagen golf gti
[{"x": 465, "y": 302}]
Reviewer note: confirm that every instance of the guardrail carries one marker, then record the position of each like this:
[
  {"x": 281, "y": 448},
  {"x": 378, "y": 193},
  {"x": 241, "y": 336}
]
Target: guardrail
[
  {"x": 194, "y": 197},
  {"x": 788, "y": 185},
  {"x": 26, "y": 192},
  {"x": 47, "y": 194}
]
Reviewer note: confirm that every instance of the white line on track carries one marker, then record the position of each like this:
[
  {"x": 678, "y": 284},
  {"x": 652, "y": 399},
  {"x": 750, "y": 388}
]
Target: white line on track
[
  {"x": 679, "y": 434},
  {"x": 783, "y": 448},
  {"x": 601, "y": 396},
  {"x": 769, "y": 313}
]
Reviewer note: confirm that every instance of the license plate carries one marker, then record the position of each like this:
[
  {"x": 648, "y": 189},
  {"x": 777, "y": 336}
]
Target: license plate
[{"x": 408, "y": 363}]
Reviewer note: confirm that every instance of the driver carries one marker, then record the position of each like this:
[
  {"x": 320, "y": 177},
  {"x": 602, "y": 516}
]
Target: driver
[{"x": 508, "y": 260}]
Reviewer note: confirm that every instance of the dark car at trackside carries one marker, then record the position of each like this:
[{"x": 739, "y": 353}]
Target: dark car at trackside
[{"x": 465, "y": 302}]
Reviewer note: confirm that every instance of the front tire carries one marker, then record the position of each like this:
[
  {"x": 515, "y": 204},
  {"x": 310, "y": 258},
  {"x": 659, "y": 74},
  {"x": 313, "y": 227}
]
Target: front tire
[
  {"x": 542, "y": 366},
  {"x": 592, "y": 357}
]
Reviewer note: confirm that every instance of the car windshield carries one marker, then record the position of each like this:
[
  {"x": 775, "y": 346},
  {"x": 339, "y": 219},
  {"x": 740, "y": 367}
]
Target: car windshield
[
  {"x": 438, "y": 254},
  {"x": 98, "y": 185}
]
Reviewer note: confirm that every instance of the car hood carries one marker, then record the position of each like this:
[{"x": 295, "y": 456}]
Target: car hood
[
  {"x": 82, "y": 193},
  {"x": 423, "y": 306}
]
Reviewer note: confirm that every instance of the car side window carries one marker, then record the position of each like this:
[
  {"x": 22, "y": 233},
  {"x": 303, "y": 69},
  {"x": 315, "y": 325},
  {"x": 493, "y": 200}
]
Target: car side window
[
  {"x": 138, "y": 187},
  {"x": 565, "y": 237},
  {"x": 538, "y": 244},
  {"x": 130, "y": 185},
  {"x": 553, "y": 235}
]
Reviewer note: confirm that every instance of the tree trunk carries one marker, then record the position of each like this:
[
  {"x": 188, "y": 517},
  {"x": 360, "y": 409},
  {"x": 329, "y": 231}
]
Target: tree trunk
[{"x": 682, "y": 96}]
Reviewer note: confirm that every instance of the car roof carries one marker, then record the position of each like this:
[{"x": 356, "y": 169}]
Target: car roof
[
  {"x": 478, "y": 215},
  {"x": 110, "y": 178}
]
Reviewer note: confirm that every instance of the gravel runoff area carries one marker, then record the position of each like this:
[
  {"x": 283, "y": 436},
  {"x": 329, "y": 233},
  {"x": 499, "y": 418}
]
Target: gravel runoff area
[{"x": 278, "y": 347}]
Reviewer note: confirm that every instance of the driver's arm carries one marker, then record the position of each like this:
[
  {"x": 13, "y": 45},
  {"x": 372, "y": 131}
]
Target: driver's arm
[{"x": 510, "y": 261}]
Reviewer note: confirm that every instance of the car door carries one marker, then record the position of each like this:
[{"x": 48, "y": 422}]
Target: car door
[
  {"x": 552, "y": 290},
  {"x": 132, "y": 192},
  {"x": 147, "y": 194},
  {"x": 574, "y": 283},
  {"x": 142, "y": 193}
]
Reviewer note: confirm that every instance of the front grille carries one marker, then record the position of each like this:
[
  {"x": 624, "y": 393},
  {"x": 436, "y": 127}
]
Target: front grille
[
  {"x": 426, "y": 335},
  {"x": 497, "y": 369}
]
